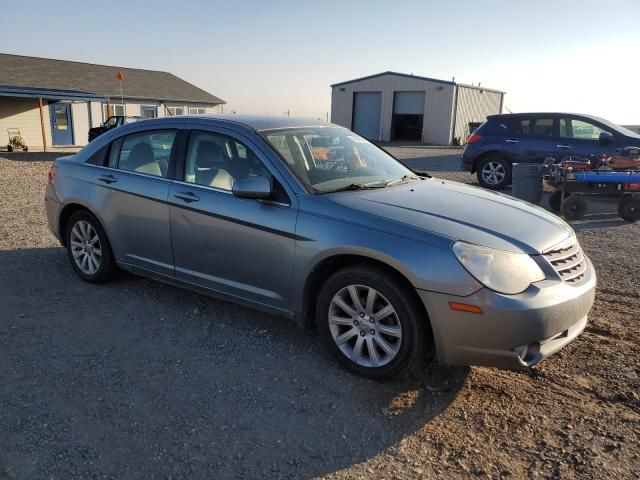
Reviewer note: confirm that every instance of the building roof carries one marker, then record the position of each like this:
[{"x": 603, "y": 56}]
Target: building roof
[
  {"x": 406, "y": 75},
  {"x": 18, "y": 72}
]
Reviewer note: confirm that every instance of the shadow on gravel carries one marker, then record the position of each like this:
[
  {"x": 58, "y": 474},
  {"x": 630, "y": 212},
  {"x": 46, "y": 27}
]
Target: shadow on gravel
[
  {"x": 435, "y": 163},
  {"x": 599, "y": 221},
  {"x": 137, "y": 379},
  {"x": 34, "y": 156}
]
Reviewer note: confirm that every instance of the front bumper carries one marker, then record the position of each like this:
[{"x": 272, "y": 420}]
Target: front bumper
[{"x": 514, "y": 331}]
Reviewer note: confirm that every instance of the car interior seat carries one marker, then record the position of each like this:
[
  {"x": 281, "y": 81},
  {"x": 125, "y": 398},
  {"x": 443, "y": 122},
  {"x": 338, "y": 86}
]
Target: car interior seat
[
  {"x": 142, "y": 160},
  {"x": 208, "y": 167}
]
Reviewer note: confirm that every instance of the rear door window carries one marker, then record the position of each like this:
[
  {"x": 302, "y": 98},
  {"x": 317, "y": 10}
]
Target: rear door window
[
  {"x": 530, "y": 127},
  {"x": 145, "y": 152}
]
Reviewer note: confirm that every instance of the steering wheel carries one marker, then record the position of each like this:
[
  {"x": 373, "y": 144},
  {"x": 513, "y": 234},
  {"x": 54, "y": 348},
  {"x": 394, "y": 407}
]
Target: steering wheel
[{"x": 341, "y": 166}]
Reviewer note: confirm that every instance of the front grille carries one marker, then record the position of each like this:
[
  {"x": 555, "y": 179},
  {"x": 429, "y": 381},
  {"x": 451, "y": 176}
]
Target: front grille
[{"x": 568, "y": 262}]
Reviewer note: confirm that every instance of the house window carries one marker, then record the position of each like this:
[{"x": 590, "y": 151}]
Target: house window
[
  {"x": 116, "y": 109},
  {"x": 174, "y": 111},
  {"x": 197, "y": 110}
]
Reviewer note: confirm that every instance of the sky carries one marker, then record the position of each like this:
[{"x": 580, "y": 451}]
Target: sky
[{"x": 268, "y": 57}]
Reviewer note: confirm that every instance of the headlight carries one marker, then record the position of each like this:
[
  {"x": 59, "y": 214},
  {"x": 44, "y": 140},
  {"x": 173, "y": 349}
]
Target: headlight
[{"x": 504, "y": 272}]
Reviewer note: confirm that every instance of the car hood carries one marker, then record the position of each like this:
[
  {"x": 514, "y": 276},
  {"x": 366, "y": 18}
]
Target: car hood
[{"x": 460, "y": 212}]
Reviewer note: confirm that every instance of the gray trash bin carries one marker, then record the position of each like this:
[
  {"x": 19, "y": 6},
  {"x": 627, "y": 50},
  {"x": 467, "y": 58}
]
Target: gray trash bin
[{"x": 527, "y": 181}]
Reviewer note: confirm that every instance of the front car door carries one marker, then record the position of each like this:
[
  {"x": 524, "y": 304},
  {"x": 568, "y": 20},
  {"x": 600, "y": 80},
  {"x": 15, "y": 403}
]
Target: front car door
[
  {"x": 242, "y": 248},
  {"x": 130, "y": 191},
  {"x": 581, "y": 137}
]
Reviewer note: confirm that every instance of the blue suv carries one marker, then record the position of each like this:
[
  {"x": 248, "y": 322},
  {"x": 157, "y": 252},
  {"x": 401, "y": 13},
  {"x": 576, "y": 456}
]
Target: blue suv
[{"x": 532, "y": 137}]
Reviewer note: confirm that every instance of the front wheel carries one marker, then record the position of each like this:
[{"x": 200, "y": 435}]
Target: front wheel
[
  {"x": 88, "y": 248},
  {"x": 494, "y": 172},
  {"x": 370, "y": 323}
]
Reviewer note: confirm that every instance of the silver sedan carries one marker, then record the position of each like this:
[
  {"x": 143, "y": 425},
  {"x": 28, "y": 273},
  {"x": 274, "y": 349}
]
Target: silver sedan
[{"x": 308, "y": 220}]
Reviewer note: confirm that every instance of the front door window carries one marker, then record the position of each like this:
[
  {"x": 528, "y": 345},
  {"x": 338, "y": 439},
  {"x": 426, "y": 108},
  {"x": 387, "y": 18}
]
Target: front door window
[{"x": 579, "y": 129}]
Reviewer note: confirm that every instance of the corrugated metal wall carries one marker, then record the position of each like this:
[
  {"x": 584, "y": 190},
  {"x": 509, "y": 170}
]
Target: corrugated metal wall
[
  {"x": 438, "y": 107},
  {"x": 473, "y": 106}
]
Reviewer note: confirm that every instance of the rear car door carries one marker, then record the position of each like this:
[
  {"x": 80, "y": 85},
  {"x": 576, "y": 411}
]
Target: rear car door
[
  {"x": 531, "y": 139},
  {"x": 130, "y": 191},
  {"x": 243, "y": 248},
  {"x": 581, "y": 137}
]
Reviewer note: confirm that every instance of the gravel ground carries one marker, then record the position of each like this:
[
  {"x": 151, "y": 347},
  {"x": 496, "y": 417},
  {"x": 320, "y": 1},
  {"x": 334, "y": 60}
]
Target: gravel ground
[{"x": 135, "y": 379}]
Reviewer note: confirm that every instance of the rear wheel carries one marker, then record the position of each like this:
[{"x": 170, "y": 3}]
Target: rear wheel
[
  {"x": 574, "y": 207},
  {"x": 370, "y": 323},
  {"x": 494, "y": 172},
  {"x": 629, "y": 208},
  {"x": 88, "y": 248}
]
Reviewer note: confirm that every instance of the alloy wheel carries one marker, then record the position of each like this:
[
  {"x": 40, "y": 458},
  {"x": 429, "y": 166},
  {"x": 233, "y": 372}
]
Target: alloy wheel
[
  {"x": 493, "y": 172},
  {"x": 85, "y": 247},
  {"x": 365, "y": 326}
]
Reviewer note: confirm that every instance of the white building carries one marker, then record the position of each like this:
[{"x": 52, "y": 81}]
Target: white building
[
  {"x": 395, "y": 106},
  {"x": 53, "y": 103}
]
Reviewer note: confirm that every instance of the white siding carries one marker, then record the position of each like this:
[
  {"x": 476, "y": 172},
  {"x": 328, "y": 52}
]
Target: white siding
[
  {"x": 80, "y": 116},
  {"x": 438, "y": 107},
  {"x": 96, "y": 114},
  {"x": 473, "y": 105},
  {"x": 24, "y": 114}
]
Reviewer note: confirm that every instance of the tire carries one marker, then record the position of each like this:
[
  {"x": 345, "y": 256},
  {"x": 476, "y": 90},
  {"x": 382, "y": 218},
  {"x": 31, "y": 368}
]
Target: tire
[
  {"x": 629, "y": 208},
  {"x": 80, "y": 229},
  {"x": 574, "y": 207},
  {"x": 494, "y": 172},
  {"x": 554, "y": 200},
  {"x": 399, "y": 345}
]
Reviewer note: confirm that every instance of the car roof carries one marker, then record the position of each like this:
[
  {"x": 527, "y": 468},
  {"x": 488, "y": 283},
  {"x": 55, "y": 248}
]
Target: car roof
[
  {"x": 255, "y": 122},
  {"x": 542, "y": 114}
]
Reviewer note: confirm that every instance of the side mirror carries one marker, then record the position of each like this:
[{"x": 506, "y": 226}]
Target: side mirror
[
  {"x": 252, "y": 187},
  {"x": 605, "y": 138}
]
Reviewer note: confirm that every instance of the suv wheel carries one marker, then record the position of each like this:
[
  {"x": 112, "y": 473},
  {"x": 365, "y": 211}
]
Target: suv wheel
[
  {"x": 494, "y": 172},
  {"x": 88, "y": 248},
  {"x": 370, "y": 323}
]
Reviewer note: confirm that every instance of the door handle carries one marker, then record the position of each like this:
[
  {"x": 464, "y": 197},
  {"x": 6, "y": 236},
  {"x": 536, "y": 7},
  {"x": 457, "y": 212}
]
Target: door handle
[
  {"x": 107, "y": 179},
  {"x": 511, "y": 140},
  {"x": 562, "y": 145},
  {"x": 187, "y": 196}
]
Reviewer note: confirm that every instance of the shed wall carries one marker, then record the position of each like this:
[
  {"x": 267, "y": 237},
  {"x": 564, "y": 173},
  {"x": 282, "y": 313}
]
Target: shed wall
[
  {"x": 438, "y": 106},
  {"x": 473, "y": 105}
]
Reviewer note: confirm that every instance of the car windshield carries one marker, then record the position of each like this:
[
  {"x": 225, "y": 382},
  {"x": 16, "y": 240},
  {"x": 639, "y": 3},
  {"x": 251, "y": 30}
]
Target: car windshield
[
  {"x": 619, "y": 128},
  {"x": 328, "y": 159}
]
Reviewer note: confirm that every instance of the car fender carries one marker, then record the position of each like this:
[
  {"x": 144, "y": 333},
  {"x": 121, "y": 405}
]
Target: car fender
[{"x": 426, "y": 267}]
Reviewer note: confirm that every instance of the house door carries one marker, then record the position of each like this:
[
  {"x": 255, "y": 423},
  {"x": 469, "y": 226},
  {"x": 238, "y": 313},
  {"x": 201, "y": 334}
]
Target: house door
[
  {"x": 61, "y": 124},
  {"x": 148, "y": 112}
]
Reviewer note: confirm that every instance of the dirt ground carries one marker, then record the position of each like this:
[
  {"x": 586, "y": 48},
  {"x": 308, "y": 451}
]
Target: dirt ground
[{"x": 135, "y": 379}]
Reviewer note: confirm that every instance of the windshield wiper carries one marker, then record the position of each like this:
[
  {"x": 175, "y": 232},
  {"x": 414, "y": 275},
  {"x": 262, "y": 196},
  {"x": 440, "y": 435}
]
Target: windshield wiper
[
  {"x": 401, "y": 180},
  {"x": 357, "y": 186}
]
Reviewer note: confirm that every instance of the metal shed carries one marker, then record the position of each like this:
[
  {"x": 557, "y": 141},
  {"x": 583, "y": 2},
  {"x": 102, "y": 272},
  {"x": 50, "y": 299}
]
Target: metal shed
[{"x": 392, "y": 106}]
